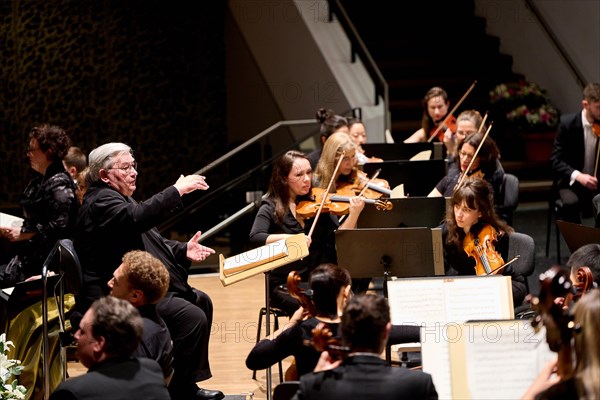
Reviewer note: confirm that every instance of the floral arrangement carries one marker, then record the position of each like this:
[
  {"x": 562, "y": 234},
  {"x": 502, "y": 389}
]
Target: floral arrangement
[
  {"x": 525, "y": 106},
  {"x": 9, "y": 388}
]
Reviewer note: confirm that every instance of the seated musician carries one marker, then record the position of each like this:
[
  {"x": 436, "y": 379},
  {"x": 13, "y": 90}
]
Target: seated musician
[
  {"x": 586, "y": 256},
  {"x": 470, "y": 220},
  {"x": 277, "y": 218},
  {"x": 330, "y": 286},
  {"x": 330, "y": 124},
  {"x": 486, "y": 165},
  {"x": 358, "y": 134},
  {"x": 583, "y": 383},
  {"x": 435, "y": 110},
  {"x": 467, "y": 122},
  {"x": 365, "y": 326}
]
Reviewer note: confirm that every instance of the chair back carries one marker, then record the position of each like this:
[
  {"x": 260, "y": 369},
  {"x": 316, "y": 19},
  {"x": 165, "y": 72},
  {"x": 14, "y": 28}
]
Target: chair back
[
  {"x": 509, "y": 195},
  {"x": 70, "y": 267},
  {"x": 285, "y": 390},
  {"x": 523, "y": 245}
]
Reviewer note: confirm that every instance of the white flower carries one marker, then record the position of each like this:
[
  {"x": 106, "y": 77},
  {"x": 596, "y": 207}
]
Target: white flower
[{"x": 9, "y": 388}]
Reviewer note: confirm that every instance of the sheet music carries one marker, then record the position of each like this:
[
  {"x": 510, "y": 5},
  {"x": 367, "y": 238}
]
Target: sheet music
[
  {"x": 257, "y": 256},
  {"x": 465, "y": 301},
  {"x": 10, "y": 220},
  {"x": 504, "y": 358},
  {"x": 436, "y": 362}
]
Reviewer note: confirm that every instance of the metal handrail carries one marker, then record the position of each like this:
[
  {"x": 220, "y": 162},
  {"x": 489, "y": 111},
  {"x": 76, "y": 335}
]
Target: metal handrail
[
  {"x": 556, "y": 42},
  {"x": 232, "y": 183},
  {"x": 359, "y": 47},
  {"x": 248, "y": 142}
]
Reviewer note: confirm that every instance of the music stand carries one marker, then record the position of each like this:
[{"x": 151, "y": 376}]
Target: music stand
[
  {"x": 576, "y": 235},
  {"x": 419, "y": 177},
  {"x": 399, "y": 252},
  {"x": 403, "y": 151},
  {"x": 407, "y": 212}
]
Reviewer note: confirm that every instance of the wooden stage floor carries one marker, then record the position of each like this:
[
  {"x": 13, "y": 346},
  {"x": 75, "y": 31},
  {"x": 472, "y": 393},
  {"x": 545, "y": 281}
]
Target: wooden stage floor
[{"x": 232, "y": 337}]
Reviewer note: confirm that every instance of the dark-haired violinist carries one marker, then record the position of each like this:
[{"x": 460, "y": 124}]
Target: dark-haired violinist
[
  {"x": 291, "y": 181},
  {"x": 469, "y": 219}
]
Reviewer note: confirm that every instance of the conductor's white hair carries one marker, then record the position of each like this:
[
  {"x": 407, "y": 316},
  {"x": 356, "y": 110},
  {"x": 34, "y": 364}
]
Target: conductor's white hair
[{"x": 103, "y": 157}]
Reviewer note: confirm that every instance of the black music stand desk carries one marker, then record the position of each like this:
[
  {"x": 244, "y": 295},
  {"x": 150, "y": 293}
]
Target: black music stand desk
[
  {"x": 419, "y": 177},
  {"x": 407, "y": 212}
]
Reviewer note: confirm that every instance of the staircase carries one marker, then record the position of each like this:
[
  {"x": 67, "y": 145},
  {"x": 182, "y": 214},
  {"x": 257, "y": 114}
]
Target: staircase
[{"x": 439, "y": 44}]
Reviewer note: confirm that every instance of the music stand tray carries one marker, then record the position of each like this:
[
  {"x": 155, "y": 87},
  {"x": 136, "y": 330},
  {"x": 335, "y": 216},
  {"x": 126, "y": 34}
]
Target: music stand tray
[
  {"x": 419, "y": 177},
  {"x": 576, "y": 235},
  {"x": 399, "y": 252},
  {"x": 407, "y": 212}
]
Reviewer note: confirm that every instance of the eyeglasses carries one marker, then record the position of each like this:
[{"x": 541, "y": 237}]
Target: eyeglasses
[
  {"x": 127, "y": 167},
  {"x": 465, "y": 155}
]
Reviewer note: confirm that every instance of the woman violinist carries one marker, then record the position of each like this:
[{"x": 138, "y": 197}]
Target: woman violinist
[
  {"x": 358, "y": 134},
  {"x": 435, "y": 111},
  {"x": 486, "y": 165},
  {"x": 472, "y": 220},
  {"x": 467, "y": 122},
  {"x": 291, "y": 181},
  {"x": 348, "y": 175}
]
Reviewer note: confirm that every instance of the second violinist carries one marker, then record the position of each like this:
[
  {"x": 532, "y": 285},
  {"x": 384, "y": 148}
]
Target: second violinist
[{"x": 470, "y": 214}]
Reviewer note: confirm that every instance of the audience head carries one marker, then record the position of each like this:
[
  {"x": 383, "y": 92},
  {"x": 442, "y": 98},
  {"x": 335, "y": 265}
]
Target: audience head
[
  {"x": 331, "y": 123},
  {"x": 366, "y": 323},
  {"x": 47, "y": 143},
  {"x": 486, "y": 158},
  {"x": 591, "y": 102},
  {"x": 335, "y": 145},
  {"x": 113, "y": 164},
  {"x": 586, "y": 256},
  {"x": 140, "y": 279},
  {"x": 110, "y": 328},
  {"x": 587, "y": 344},
  {"x": 75, "y": 161},
  {"x": 329, "y": 283}
]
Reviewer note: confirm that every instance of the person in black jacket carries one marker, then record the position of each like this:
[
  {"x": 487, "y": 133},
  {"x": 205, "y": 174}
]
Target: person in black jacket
[
  {"x": 143, "y": 280},
  {"x": 574, "y": 157},
  {"x": 111, "y": 223},
  {"x": 108, "y": 334},
  {"x": 363, "y": 374},
  {"x": 48, "y": 203}
]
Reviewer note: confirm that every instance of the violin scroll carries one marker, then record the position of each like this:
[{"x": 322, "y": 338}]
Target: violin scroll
[
  {"x": 323, "y": 340},
  {"x": 293, "y": 287}
]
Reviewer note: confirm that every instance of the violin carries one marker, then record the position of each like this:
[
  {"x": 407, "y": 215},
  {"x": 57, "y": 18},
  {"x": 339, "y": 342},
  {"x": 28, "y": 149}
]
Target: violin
[
  {"x": 370, "y": 188},
  {"x": 323, "y": 340},
  {"x": 436, "y": 132},
  {"x": 558, "y": 321},
  {"x": 596, "y": 131},
  {"x": 293, "y": 287},
  {"x": 482, "y": 248},
  {"x": 439, "y": 131},
  {"x": 584, "y": 282},
  {"x": 334, "y": 203}
]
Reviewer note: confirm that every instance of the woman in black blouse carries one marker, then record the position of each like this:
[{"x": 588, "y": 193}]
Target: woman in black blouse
[
  {"x": 48, "y": 203},
  {"x": 291, "y": 181}
]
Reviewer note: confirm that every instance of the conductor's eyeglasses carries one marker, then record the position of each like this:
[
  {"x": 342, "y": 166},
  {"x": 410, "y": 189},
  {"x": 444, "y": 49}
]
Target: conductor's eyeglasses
[{"x": 127, "y": 167}]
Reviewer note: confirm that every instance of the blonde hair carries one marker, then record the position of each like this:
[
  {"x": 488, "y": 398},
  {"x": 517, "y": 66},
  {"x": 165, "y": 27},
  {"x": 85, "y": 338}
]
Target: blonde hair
[
  {"x": 335, "y": 145},
  {"x": 587, "y": 345}
]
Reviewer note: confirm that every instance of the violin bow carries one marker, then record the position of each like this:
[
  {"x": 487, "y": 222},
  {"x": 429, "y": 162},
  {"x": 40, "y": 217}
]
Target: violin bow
[
  {"x": 597, "y": 156},
  {"x": 434, "y": 134},
  {"x": 312, "y": 228},
  {"x": 515, "y": 258},
  {"x": 483, "y": 122},
  {"x": 464, "y": 175}
]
